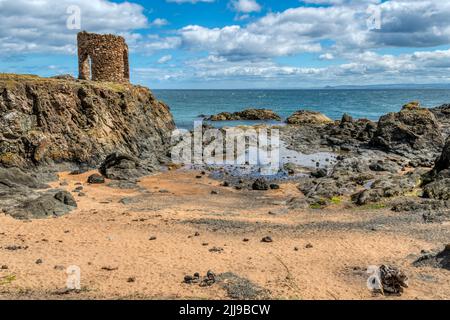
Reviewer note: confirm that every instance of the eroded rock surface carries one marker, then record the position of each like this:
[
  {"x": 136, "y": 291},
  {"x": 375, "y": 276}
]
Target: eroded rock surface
[
  {"x": 412, "y": 131},
  {"x": 46, "y": 121}
]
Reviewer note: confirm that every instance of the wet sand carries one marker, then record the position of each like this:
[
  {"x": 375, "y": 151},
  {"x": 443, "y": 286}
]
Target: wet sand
[{"x": 315, "y": 254}]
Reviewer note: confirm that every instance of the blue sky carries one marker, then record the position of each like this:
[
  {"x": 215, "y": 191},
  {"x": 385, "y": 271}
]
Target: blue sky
[{"x": 239, "y": 43}]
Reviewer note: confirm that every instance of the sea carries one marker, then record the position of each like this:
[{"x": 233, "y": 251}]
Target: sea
[{"x": 188, "y": 106}]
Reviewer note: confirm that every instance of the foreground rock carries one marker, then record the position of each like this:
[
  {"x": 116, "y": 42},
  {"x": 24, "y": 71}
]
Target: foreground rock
[
  {"x": 249, "y": 114},
  {"x": 16, "y": 186},
  {"x": 47, "y": 205},
  {"x": 123, "y": 167},
  {"x": 46, "y": 121},
  {"x": 414, "y": 131},
  {"x": 308, "y": 117},
  {"x": 439, "y": 260}
]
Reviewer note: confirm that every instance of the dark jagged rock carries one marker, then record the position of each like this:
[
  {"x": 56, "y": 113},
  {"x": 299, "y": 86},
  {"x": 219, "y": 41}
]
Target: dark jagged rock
[
  {"x": 437, "y": 182},
  {"x": 45, "y": 206},
  {"x": 346, "y": 118},
  {"x": 380, "y": 166},
  {"x": 123, "y": 167},
  {"x": 260, "y": 184},
  {"x": 95, "y": 179},
  {"x": 16, "y": 178},
  {"x": 438, "y": 189},
  {"x": 17, "y": 187},
  {"x": 413, "y": 131},
  {"x": 442, "y": 113},
  {"x": 308, "y": 117},
  {"x": 46, "y": 121},
  {"x": 388, "y": 187},
  {"x": 443, "y": 163},
  {"x": 349, "y": 132},
  {"x": 439, "y": 260},
  {"x": 320, "y": 173},
  {"x": 248, "y": 114}
]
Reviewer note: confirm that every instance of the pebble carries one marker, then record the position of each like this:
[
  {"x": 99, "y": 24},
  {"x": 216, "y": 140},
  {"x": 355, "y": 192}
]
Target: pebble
[{"x": 267, "y": 239}]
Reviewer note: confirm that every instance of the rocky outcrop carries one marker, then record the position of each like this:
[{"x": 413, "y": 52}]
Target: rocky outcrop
[
  {"x": 122, "y": 167},
  {"x": 349, "y": 133},
  {"x": 413, "y": 132},
  {"x": 248, "y": 114},
  {"x": 443, "y": 163},
  {"x": 438, "y": 180},
  {"x": 23, "y": 196},
  {"x": 308, "y": 117},
  {"x": 47, "y": 121},
  {"x": 442, "y": 113},
  {"x": 47, "y": 205}
]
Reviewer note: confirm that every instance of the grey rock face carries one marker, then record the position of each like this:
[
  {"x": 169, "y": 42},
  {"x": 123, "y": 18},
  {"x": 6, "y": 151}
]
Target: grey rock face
[
  {"x": 47, "y": 121},
  {"x": 45, "y": 206},
  {"x": 412, "y": 131},
  {"x": 123, "y": 167}
]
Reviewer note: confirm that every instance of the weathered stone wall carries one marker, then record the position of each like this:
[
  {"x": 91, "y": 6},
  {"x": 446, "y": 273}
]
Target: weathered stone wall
[{"x": 103, "y": 57}]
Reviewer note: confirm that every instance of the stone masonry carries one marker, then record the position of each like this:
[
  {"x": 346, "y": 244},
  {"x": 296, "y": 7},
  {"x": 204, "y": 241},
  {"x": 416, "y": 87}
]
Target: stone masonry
[{"x": 103, "y": 57}]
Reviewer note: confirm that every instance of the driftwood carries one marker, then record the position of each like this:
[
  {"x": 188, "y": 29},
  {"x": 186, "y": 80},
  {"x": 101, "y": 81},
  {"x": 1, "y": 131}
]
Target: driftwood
[{"x": 393, "y": 280}]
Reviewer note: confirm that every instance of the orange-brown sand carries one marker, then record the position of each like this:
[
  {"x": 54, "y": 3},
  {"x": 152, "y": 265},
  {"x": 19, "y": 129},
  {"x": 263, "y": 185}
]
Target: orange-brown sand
[{"x": 106, "y": 234}]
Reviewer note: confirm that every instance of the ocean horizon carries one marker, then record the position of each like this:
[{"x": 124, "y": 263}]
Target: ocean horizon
[{"x": 189, "y": 105}]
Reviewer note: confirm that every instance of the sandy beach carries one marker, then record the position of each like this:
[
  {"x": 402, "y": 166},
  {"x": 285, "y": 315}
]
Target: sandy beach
[{"x": 140, "y": 244}]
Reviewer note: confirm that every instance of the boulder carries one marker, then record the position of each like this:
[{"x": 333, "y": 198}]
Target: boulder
[
  {"x": 248, "y": 114},
  {"x": 16, "y": 178},
  {"x": 47, "y": 205},
  {"x": 439, "y": 189},
  {"x": 414, "y": 131},
  {"x": 96, "y": 179},
  {"x": 119, "y": 166},
  {"x": 435, "y": 260},
  {"x": 349, "y": 132},
  {"x": 260, "y": 184},
  {"x": 388, "y": 187},
  {"x": 308, "y": 117}
]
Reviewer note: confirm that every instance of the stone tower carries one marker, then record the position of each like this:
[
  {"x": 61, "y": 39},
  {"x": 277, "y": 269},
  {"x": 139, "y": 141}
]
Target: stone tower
[{"x": 103, "y": 57}]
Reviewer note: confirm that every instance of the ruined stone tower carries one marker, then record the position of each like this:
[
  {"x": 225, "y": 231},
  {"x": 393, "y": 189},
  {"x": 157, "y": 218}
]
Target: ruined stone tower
[{"x": 103, "y": 57}]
